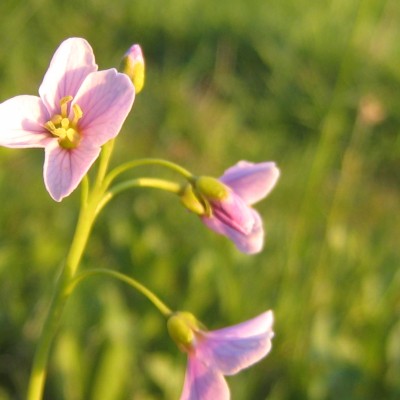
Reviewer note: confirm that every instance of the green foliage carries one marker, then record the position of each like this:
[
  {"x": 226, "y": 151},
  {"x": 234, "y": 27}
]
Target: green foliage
[{"x": 311, "y": 86}]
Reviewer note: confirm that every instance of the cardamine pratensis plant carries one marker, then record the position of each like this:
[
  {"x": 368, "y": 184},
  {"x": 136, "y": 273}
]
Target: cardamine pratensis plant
[{"x": 76, "y": 118}]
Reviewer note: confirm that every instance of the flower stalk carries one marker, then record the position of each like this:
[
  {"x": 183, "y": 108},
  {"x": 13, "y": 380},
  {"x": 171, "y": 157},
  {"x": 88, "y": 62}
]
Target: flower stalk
[
  {"x": 86, "y": 219},
  {"x": 160, "y": 305}
]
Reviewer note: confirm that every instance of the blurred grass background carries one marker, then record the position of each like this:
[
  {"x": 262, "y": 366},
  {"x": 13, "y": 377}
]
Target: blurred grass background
[{"x": 314, "y": 86}]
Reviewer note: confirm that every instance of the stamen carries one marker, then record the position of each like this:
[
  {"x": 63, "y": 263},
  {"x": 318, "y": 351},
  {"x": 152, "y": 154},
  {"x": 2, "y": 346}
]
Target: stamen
[
  {"x": 63, "y": 128},
  {"x": 56, "y": 119},
  {"x": 65, "y": 123},
  {"x": 64, "y": 105},
  {"x": 59, "y": 132},
  {"x": 72, "y": 135},
  {"x": 77, "y": 114},
  {"x": 49, "y": 125}
]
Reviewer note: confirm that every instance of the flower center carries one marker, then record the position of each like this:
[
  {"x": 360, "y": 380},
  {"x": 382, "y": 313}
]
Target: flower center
[{"x": 64, "y": 128}]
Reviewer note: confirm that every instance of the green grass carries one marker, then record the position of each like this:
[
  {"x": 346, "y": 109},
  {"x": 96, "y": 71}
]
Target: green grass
[{"x": 310, "y": 85}]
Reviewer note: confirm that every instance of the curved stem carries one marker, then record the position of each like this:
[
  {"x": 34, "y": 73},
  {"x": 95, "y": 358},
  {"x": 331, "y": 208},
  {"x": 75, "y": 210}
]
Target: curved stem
[
  {"x": 148, "y": 161},
  {"x": 160, "y": 305},
  {"x": 162, "y": 184}
]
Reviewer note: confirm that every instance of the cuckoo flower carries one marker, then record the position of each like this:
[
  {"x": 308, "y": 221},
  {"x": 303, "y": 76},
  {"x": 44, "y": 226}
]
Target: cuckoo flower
[
  {"x": 225, "y": 203},
  {"x": 213, "y": 354},
  {"x": 78, "y": 110}
]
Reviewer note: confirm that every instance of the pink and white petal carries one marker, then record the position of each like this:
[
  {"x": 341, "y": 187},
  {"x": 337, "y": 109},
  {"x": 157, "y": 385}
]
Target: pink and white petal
[
  {"x": 203, "y": 383},
  {"x": 250, "y": 243},
  {"x": 22, "y": 119},
  {"x": 64, "y": 169},
  {"x": 232, "y": 349},
  {"x": 215, "y": 225},
  {"x": 105, "y": 97},
  {"x": 229, "y": 356},
  {"x": 72, "y": 62},
  {"x": 261, "y": 324},
  {"x": 234, "y": 212},
  {"x": 251, "y": 181}
]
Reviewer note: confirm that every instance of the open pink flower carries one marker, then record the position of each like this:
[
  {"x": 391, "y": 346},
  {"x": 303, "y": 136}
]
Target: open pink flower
[
  {"x": 78, "y": 110},
  {"x": 231, "y": 214},
  {"x": 213, "y": 354}
]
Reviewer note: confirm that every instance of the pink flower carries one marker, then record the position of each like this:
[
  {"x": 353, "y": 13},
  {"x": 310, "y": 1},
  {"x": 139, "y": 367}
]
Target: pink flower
[
  {"x": 78, "y": 110},
  {"x": 213, "y": 354},
  {"x": 231, "y": 214}
]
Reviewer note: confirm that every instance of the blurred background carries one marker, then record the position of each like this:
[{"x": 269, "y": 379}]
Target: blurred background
[{"x": 314, "y": 86}]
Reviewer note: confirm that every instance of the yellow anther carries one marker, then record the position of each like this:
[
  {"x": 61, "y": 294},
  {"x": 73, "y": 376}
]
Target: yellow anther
[
  {"x": 49, "y": 125},
  {"x": 59, "y": 132},
  {"x": 77, "y": 114},
  {"x": 64, "y": 105},
  {"x": 56, "y": 119},
  {"x": 62, "y": 127},
  {"x": 65, "y": 123},
  {"x": 72, "y": 135}
]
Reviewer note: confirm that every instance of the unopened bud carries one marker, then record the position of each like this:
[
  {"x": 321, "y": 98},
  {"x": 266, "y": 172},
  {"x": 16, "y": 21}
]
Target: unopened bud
[{"x": 132, "y": 64}]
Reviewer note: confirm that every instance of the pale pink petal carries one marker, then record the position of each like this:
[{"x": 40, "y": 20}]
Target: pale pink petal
[
  {"x": 105, "y": 98},
  {"x": 21, "y": 122},
  {"x": 203, "y": 383},
  {"x": 251, "y": 181},
  {"x": 258, "y": 325},
  {"x": 249, "y": 243},
  {"x": 232, "y": 349},
  {"x": 234, "y": 213},
  {"x": 70, "y": 65},
  {"x": 64, "y": 169}
]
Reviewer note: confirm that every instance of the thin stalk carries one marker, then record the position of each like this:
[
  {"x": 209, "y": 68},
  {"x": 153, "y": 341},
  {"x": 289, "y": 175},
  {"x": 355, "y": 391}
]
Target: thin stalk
[
  {"x": 104, "y": 162},
  {"x": 148, "y": 161},
  {"x": 160, "y": 305},
  {"x": 162, "y": 184},
  {"x": 60, "y": 297}
]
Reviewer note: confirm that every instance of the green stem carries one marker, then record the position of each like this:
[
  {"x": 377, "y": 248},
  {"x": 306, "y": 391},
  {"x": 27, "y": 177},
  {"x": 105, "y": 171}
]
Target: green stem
[
  {"x": 166, "y": 311},
  {"x": 148, "y": 161},
  {"x": 84, "y": 190},
  {"x": 162, "y": 184},
  {"x": 104, "y": 161},
  {"x": 60, "y": 296},
  {"x": 61, "y": 293}
]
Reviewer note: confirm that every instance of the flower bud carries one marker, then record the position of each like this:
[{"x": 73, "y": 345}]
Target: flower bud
[{"x": 132, "y": 64}]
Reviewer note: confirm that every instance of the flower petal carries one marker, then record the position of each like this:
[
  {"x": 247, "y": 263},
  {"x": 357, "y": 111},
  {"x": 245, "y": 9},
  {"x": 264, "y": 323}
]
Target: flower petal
[
  {"x": 249, "y": 243},
  {"x": 22, "y": 119},
  {"x": 70, "y": 65},
  {"x": 64, "y": 169},
  {"x": 251, "y": 181},
  {"x": 233, "y": 212},
  {"x": 262, "y": 324},
  {"x": 232, "y": 349},
  {"x": 105, "y": 98},
  {"x": 203, "y": 383}
]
